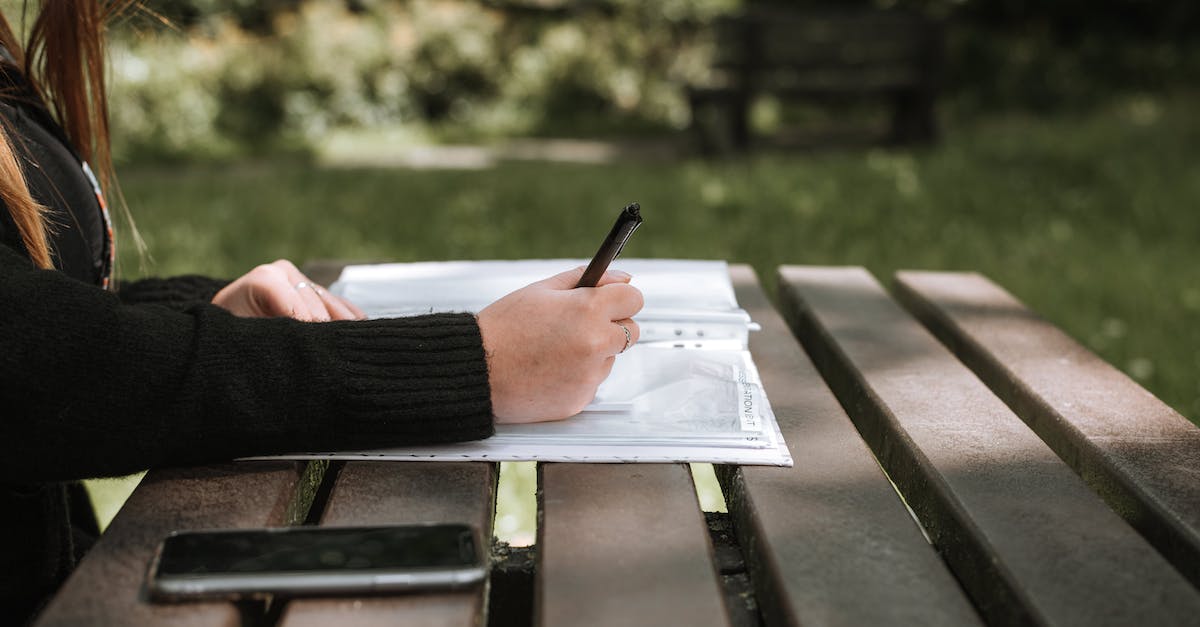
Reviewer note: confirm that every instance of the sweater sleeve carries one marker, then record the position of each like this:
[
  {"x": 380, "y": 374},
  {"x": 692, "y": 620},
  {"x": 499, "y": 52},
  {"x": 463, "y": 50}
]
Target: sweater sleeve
[
  {"x": 91, "y": 386},
  {"x": 175, "y": 292}
]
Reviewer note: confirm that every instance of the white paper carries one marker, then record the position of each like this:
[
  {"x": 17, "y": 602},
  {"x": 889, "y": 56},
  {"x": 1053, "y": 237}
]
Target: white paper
[{"x": 688, "y": 391}]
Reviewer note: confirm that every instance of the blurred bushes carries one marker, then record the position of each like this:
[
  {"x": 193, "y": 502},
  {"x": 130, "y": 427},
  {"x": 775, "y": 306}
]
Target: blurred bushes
[
  {"x": 1046, "y": 55},
  {"x": 219, "y": 87},
  {"x": 232, "y": 77}
]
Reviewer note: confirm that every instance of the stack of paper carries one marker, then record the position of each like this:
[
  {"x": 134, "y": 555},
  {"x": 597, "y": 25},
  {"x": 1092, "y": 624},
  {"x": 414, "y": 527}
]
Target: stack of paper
[{"x": 687, "y": 391}]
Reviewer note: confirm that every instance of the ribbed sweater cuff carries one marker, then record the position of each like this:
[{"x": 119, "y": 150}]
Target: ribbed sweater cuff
[
  {"x": 175, "y": 292},
  {"x": 422, "y": 378}
]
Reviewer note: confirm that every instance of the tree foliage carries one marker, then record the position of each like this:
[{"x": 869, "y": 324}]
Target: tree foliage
[{"x": 217, "y": 77}]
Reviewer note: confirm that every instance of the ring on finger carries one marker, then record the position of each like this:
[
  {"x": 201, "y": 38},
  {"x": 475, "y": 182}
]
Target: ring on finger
[
  {"x": 303, "y": 284},
  {"x": 628, "y": 337}
]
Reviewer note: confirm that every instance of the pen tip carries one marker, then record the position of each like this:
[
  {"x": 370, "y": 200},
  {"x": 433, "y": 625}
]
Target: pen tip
[{"x": 633, "y": 208}]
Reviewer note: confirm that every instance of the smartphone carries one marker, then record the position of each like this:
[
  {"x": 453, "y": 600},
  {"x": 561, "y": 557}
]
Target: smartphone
[{"x": 314, "y": 561}]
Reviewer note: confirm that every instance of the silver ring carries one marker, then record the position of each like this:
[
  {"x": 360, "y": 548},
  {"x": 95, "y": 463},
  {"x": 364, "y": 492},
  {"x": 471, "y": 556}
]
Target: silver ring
[{"x": 628, "y": 337}]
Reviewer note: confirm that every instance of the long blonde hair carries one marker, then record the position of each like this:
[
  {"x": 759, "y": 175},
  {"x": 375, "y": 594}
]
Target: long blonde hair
[{"x": 64, "y": 60}]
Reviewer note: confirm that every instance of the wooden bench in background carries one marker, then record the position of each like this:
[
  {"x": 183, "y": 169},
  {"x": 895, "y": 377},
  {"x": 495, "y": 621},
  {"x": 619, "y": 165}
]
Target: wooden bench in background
[
  {"x": 1045, "y": 487},
  {"x": 829, "y": 58}
]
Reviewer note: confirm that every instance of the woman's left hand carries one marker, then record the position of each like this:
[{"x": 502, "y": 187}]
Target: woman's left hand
[{"x": 279, "y": 289}]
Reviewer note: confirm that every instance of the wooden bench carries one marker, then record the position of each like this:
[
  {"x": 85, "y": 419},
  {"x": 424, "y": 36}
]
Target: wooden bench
[
  {"x": 1045, "y": 487},
  {"x": 825, "y": 58}
]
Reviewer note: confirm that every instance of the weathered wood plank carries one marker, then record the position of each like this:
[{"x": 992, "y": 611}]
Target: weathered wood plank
[
  {"x": 623, "y": 544},
  {"x": 107, "y": 588},
  {"x": 828, "y": 541},
  {"x": 1134, "y": 450},
  {"x": 1025, "y": 536},
  {"x": 383, "y": 493}
]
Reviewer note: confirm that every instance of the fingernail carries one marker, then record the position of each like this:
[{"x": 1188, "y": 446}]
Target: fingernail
[{"x": 621, "y": 274}]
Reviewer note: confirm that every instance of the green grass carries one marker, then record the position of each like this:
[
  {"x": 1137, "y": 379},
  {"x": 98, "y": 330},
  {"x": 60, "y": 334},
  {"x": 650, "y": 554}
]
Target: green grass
[{"x": 1090, "y": 220}]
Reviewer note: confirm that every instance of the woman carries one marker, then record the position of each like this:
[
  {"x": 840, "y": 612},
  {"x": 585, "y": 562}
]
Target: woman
[{"x": 104, "y": 379}]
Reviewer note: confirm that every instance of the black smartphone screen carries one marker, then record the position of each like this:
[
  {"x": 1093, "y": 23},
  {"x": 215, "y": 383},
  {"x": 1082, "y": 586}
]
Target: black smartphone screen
[{"x": 318, "y": 549}]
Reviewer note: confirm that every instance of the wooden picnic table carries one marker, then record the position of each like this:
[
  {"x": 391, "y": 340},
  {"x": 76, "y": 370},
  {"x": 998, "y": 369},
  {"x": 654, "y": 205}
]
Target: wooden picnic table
[{"x": 958, "y": 461}]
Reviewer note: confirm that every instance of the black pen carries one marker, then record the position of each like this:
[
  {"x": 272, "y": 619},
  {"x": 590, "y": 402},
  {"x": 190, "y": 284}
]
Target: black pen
[{"x": 628, "y": 222}]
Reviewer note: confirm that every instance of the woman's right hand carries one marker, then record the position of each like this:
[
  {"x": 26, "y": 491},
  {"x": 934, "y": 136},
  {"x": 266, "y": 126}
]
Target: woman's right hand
[{"x": 549, "y": 346}]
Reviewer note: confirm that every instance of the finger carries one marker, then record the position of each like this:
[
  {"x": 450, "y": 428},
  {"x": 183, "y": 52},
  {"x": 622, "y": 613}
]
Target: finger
[
  {"x": 614, "y": 276},
  {"x": 621, "y": 341},
  {"x": 620, "y": 300},
  {"x": 359, "y": 314},
  {"x": 307, "y": 290},
  {"x": 635, "y": 331},
  {"x": 316, "y": 306},
  {"x": 281, "y": 300},
  {"x": 336, "y": 308}
]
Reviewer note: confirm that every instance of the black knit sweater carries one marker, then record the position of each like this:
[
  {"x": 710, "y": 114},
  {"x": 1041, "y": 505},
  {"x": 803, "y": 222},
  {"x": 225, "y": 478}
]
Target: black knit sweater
[{"x": 97, "y": 383}]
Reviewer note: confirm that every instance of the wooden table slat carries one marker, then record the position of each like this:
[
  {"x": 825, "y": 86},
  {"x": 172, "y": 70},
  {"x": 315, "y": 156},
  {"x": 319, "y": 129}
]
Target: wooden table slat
[
  {"x": 828, "y": 541},
  {"x": 623, "y": 544},
  {"x": 1139, "y": 454},
  {"x": 385, "y": 493},
  {"x": 107, "y": 587},
  {"x": 1026, "y": 537}
]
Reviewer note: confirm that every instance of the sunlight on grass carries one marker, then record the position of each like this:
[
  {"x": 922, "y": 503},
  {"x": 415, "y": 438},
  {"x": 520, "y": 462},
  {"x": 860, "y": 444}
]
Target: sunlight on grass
[
  {"x": 108, "y": 495},
  {"x": 516, "y": 504},
  {"x": 708, "y": 490}
]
